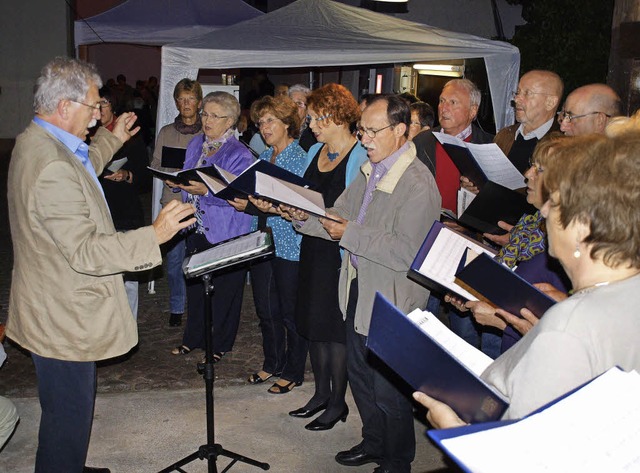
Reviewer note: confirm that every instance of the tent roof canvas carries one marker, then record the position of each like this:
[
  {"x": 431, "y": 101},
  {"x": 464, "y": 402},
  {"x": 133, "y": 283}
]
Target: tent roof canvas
[
  {"x": 316, "y": 33},
  {"x": 157, "y": 22}
]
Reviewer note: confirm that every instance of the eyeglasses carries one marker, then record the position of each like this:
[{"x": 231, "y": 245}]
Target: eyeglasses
[
  {"x": 97, "y": 106},
  {"x": 527, "y": 94},
  {"x": 205, "y": 116},
  {"x": 537, "y": 167},
  {"x": 319, "y": 119},
  {"x": 300, "y": 104},
  {"x": 104, "y": 104},
  {"x": 371, "y": 133},
  {"x": 562, "y": 115},
  {"x": 268, "y": 121}
]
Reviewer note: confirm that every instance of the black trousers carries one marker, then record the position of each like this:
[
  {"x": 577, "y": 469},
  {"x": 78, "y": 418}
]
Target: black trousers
[
  {"x": 226, "y": 303},
  {"x": 386, "y": 413}
]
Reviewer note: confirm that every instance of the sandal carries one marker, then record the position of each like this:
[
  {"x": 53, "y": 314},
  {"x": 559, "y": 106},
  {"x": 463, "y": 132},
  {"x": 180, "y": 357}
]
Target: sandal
[
  {"x": 181, "y": 350},
  {"x": 279, "y": 389},
  {"x": 218, "y": 356},
  {"x": 256, "y": 378}
]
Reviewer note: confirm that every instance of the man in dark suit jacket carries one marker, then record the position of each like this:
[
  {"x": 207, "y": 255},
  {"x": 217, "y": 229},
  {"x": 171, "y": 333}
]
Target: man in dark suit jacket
[
  {"x": 68, "y": 304},
  {"x": 457, "y": 109}
]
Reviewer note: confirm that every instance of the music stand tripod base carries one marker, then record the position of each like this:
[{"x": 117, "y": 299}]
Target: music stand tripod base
[{"x": 211, "y": 450}]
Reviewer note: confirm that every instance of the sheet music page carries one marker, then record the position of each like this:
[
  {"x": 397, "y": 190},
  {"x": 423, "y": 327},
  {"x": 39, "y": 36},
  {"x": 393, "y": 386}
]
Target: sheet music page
[
  {"x": 496, "y": 166},
  {"x": 290, "y": 194},
  {"x": 441, "y": 263},
  {"x": 214, "y": 185},
  {"x": 227, "y": 251},
  {"x": 443, "y": 138},
  {"x": 468, "y": 355},
  {"x": 596, "y": 429},
  {"x": 464, "y": 199},
  {"x": 226, "y": 175},
  {"x": 117, "y": 164}
]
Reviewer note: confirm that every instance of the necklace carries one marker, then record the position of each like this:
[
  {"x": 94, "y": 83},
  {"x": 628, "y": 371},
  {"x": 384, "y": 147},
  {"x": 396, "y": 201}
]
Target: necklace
[{"x": 333, "y": 156}]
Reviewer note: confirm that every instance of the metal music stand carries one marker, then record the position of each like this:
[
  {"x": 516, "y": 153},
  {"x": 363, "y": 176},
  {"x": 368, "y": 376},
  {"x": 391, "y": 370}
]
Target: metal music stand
[{"x": 217, "y": 258}]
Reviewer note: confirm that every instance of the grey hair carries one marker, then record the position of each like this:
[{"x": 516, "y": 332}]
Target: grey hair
[
  {"x": 63, "y": 79},
  {"x": 474, "y": 93},
  {"x": 299, "y": 88},
  {"x": 226, "y": 101}
]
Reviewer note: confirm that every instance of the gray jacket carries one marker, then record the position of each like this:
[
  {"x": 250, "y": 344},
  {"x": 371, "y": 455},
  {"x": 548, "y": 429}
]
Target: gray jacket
[{"x": 405, "y": 204}]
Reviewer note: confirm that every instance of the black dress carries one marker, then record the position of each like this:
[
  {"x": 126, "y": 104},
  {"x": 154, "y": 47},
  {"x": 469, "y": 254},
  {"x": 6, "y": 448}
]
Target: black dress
[{"x": 318, "y": 316}]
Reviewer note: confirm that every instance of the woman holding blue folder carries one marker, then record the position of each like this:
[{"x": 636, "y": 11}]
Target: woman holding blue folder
[{"x": 594, "y": 231}]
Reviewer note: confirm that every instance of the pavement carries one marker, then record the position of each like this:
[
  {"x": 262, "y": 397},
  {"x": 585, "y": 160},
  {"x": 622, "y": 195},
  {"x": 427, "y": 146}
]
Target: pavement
[{"x": 150, "y": 406}]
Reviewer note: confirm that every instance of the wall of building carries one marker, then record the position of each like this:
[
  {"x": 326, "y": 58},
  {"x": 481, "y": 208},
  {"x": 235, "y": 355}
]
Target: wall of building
[{"x": 30, "y": 35}]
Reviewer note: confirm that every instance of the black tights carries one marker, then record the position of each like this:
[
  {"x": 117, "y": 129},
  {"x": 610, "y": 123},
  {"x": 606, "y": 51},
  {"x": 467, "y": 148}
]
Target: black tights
[{"x": 329, "y": 363}]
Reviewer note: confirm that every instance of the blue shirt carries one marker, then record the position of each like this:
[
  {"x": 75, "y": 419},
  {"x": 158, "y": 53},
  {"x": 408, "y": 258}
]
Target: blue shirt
[
  {"x": 287, "y": 241},
  {"x": 74, "y": 144}
]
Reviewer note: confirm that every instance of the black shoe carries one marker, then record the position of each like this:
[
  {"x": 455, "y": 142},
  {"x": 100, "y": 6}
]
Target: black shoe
[
  {"x": 317, "y": 425},
  {"x": 175, "y": 320},
  {"x": 356, "y": 456},
  {"x": 304, "y": 412},
  {"x": 88, "y": 469},
  {"x": 382, "y": 469}
]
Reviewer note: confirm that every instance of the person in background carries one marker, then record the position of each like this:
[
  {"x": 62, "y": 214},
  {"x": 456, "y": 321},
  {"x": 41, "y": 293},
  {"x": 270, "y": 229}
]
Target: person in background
[
  {"x": 422, "y": 118},
  {"x": 216, "y": 221},
  {"x": 8, "y": 413},
  {"x": 298, "y": 93},
  {"x": 381, "y": 220},
  {"x": 187, "y": 95},
  {"x": 122, "y": 187},
  {"x": 275, "y": 282},
  {"x": 68, "y": 304},
  {"x": 593, "y": 231},
  {"x": 281, "y": 90},
  {"x": 588, "y": 109},
  {"x": 535, "y": 102},
  {"x": 334, "y": 162}
]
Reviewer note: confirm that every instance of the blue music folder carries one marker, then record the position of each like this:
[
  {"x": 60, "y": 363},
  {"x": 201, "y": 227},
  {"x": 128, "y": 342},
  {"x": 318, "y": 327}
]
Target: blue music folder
[{"x": 428, "y": 366}]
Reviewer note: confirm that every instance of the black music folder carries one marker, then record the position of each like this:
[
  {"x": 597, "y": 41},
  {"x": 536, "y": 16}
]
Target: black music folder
[
  {"x": 227, "y": 185},
  {"x": 493, "y": 203},
  {"x": 228, "y": 253},
  {"x": 502, "y": 287},
  {"x": 441, "y": 256},
  {"x": 481, "y": 162},
  {"x": 172, "y": 157},
  {"x": 183, "y": 177},
  {"x": 434, "y": 360}
]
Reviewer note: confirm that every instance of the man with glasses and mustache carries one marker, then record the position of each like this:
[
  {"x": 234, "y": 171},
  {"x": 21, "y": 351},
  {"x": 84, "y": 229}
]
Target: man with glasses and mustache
[
  {"x": 68, "y": 304},
  {"x": 588, "y": 109},
  {"x": 382, "y": 219}
]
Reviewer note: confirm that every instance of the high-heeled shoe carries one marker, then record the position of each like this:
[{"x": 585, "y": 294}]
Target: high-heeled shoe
[
  {"x": 317, "y": 425},
  {"x": 303, "y": 412}
]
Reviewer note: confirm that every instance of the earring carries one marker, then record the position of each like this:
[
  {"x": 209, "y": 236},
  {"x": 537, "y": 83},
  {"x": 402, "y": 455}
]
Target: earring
[{"x": 577, "y": 254}]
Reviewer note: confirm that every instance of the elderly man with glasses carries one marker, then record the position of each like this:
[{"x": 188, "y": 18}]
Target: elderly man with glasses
[
  {"x": 588, "y": 109},
  {"x": 535, "y": 102},
  {"x": 381, "y": 220}
]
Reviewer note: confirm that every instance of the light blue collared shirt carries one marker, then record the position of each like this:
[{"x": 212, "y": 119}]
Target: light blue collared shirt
[{"x": 74, "y": 144}]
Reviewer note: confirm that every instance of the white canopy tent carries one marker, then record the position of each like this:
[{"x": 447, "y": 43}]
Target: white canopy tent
[
  {"x": 158, "y": 22},
  {"x": 317, "y": 33}
]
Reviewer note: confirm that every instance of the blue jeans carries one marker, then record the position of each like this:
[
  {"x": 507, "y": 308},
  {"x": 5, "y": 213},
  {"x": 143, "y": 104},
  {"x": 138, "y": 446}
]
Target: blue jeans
[
  {"x": 175, "y": 276},
  {"x": 67, "y": 392}
]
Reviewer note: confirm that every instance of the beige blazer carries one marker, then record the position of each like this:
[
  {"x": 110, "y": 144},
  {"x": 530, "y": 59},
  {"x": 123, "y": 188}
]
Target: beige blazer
[{"x": 67, "y": 299}]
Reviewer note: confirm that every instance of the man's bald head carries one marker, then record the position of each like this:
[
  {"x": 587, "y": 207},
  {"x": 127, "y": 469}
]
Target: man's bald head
[
  {"x": 590, "y": 108},
  {"x": 537, "y": 99}
]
